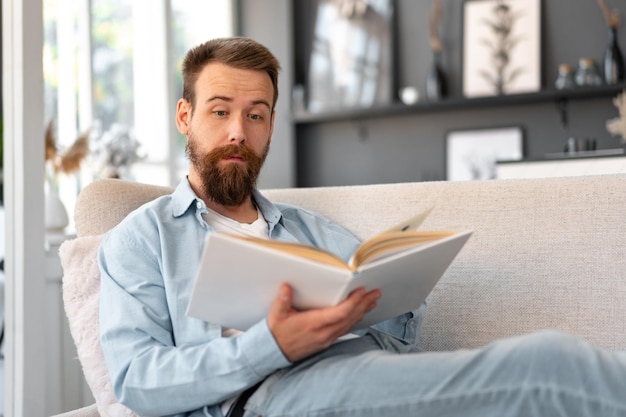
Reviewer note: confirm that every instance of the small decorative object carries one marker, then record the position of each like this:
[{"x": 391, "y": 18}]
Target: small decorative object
[
  {"x": 613, "y": 60},
  {"x": 60, "y": 161},
  {"x": 574, "y": 146},
  {"x": 116, "y": 150},
  {"x": 55, "y": 216},
  {"x": 617, "y": 126},
  {"x": 409, "y": 95},
  {"x": 565, "y": 79},
  {"x": 351, "y": 62},
  {"x": 501, "y": 47},
  {"x": 587, "y": 74},
  {"x": 436, "y": 87},
  {"x": 472, "y": 154}
]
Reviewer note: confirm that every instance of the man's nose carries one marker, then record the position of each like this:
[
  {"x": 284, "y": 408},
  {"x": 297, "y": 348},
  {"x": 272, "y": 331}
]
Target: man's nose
[{"x": 236, "y": 132}]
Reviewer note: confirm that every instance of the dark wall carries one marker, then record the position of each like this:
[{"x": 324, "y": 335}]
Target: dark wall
[{"x": 411, "y": 147}]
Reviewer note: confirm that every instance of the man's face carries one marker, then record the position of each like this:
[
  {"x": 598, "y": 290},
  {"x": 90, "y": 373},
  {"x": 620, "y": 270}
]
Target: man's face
[{"x": 228, "y": 130}]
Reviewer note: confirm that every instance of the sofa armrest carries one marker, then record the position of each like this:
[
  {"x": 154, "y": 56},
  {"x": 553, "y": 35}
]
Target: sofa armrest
[{"x": 93, "y": 217}]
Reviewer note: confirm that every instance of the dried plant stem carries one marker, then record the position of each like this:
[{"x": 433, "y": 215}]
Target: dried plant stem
[
  {"x": 70, "y": 159},
  {"x": 51, "y": 143},
  {"x": 611, "y": 17},
  {"x": 433, "y": 26}
]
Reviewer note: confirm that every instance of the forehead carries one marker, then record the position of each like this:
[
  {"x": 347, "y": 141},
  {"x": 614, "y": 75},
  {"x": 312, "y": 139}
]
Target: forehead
[{"x": 223, "y": 80}]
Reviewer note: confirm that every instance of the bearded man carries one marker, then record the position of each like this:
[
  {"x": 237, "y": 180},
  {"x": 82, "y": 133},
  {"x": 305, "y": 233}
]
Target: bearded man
[{"x": 162, "y": 362}]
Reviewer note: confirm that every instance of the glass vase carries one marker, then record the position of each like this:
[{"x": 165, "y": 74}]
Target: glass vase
[
  {"x": 588, "y": 74},
  {"x": 56, "y": 217},
  {"x": 436, "y": 80},
  {"x": 613, "y": 60}
]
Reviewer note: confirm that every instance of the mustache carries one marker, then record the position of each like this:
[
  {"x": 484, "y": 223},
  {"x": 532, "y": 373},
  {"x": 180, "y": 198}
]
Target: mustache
[{"x": 229, "y": 151}]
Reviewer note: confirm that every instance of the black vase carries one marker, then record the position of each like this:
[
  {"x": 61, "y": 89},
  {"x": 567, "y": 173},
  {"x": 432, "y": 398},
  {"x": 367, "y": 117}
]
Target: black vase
[
  {"x": 436, "y": 88},
  {"x": 613, "y": 60}
]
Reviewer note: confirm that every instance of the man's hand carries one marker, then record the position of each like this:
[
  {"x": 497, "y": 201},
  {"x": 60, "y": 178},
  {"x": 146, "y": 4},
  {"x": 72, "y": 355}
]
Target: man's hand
[{"x": 302, "y": 333}]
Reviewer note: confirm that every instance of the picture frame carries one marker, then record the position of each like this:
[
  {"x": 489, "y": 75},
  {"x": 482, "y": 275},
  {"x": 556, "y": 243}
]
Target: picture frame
[
  {"x": 497, "y": 61},
  {"x": 351, "y": 62},
  {"x": 473, "y": 154}
]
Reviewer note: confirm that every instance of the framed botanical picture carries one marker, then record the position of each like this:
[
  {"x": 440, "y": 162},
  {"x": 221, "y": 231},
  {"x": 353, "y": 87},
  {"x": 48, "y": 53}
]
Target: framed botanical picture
[
  {"x": 501, "y": 47},
  {"x": 351, "y": 62},
  {"x": 472, "y": 154}
]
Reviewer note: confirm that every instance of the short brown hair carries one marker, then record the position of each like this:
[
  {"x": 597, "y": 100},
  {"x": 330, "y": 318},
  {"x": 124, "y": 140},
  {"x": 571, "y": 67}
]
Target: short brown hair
[{"x": 236, "y": 52}]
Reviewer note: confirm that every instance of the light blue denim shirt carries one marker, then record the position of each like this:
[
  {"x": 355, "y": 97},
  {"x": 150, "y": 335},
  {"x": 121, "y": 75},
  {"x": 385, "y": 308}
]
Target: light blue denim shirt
[{"x": 162, "y": 362}]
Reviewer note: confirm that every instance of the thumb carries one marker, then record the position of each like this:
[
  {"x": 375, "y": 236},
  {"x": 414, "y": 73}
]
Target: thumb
[{"x": 282, "y": 303}]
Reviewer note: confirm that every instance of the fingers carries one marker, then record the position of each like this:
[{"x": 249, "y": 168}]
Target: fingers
[
  {"x": 302, "y": 333},
  {"x": 353, "y": 308},
  {"x": 361, "y": 301},
  {"x": 351, "y": 311},
  {"x": 281, "y": 306}
]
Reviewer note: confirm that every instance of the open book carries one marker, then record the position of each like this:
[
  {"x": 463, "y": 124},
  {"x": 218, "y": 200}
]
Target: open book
[{"x": 239, "y": 277}]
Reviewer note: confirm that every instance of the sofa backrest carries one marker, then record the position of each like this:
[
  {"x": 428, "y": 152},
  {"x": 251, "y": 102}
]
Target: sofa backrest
[{"x": 545, "y": 253}]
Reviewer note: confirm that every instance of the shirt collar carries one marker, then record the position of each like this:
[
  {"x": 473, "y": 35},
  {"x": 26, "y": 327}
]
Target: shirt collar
[{"x": 184, "y": 196}]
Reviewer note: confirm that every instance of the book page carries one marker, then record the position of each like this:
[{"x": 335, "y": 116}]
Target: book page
[
  {"x": 391, "y": 240},
  {"x": 389, "y": 243},
  {"x": 299, "y": 249},
  {"x": 410, "y": 224}
]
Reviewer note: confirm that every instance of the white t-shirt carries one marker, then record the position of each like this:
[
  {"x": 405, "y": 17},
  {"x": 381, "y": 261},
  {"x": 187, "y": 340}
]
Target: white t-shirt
[{"x": 223, "y": 224}]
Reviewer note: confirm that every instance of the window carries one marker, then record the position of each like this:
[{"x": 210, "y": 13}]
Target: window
[{"x": 115, "y": 64}]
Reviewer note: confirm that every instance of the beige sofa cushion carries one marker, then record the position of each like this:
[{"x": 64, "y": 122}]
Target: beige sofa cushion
[{"x": 81, "y": 289}]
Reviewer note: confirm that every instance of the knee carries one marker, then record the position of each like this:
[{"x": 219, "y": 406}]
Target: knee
[
  {"x": 551, "y": 341},
  {"x": 548, "y": 349}
]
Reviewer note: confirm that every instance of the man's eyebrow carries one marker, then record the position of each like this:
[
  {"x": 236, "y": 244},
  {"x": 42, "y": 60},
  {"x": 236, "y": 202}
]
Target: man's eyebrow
[
  {"x": 223, "y": 98},
  {"x": 263, "y": 102},
  {"x": 230, "y": 99}
]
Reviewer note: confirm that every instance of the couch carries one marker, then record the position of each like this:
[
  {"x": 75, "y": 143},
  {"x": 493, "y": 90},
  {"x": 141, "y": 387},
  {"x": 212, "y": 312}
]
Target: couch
[{"x": 545, "y": 253}]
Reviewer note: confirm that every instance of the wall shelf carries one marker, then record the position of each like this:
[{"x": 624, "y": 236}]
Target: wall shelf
[{"x": 456, "y": 103}]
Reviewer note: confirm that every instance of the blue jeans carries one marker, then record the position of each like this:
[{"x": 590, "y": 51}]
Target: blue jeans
[{"x": 542, "y": 374}]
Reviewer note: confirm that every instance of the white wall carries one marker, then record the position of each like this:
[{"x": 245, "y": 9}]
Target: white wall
[{"x": 23, "y": 187}]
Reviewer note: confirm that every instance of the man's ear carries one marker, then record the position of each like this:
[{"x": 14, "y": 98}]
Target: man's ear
[{"x": 183, "y": 116}]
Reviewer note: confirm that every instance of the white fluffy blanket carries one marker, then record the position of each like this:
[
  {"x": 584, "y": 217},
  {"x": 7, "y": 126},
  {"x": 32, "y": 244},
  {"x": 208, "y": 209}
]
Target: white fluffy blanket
[{"x": 81, "y": 295}]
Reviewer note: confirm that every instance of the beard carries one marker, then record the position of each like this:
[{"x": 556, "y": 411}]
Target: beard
[{"x": 232, "y": 183}]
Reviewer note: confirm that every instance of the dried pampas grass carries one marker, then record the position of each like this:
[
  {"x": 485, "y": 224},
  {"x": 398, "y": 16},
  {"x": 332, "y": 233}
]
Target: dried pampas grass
[
  {"x": 617, "y": 126},
  {"x": 70, "y": 159}
]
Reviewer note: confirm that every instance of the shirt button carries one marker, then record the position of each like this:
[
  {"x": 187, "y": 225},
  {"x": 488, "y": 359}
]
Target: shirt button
[
  {"x": 198, "y": 205},
  {"x": 411, "y": 322}
]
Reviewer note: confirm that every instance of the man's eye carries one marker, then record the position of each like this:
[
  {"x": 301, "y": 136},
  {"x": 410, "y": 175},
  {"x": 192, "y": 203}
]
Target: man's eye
[
  {"x": 255, "y": 117},
  {"x": 220, "y": 113}
]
